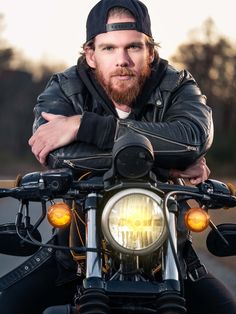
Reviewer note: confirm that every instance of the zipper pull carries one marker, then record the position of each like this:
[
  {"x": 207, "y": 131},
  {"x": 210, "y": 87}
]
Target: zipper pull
[
  {"x": 192, "y": 148},
  {"x": 69, "y": 163}
]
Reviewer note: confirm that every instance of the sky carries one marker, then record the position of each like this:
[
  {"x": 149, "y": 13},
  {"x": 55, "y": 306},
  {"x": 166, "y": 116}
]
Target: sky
[{"x": 54, "y": 30}]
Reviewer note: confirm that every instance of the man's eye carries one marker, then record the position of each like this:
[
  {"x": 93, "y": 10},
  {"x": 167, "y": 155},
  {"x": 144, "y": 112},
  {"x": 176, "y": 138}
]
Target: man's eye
[
  {"x": 134, "y": 47},
  {"x": 108, "y": 48}
]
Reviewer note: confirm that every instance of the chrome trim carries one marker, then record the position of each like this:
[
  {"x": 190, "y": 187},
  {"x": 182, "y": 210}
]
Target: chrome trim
[
  {"x": 93, "y": 260},
  {"x": 105, "y": 222},
  {"x": 171, "y": 271}
]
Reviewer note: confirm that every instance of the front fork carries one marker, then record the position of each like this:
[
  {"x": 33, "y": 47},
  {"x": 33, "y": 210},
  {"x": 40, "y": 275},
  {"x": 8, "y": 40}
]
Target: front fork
[
  {"x": 93, "y": 298},
  {"x": 93, "y": 258},
  {"x": 171, "y": 270}
]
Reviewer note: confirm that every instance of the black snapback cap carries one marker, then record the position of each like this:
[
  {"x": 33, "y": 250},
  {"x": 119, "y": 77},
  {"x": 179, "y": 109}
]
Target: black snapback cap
[{"x": 97, "y": 18}]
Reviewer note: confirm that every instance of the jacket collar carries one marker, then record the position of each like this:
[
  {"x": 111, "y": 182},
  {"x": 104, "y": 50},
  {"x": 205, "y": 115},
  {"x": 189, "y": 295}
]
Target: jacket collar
[{"x": 87, "y": 76}]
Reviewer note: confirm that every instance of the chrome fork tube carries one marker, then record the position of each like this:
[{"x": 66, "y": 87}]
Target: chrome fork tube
[
  {"x": 93, "y": 260},
  {"x": 171, "y": 271}
]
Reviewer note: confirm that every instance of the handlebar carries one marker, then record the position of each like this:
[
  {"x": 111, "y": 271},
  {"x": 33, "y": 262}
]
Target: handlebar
[{"x": 59, "y": 183}]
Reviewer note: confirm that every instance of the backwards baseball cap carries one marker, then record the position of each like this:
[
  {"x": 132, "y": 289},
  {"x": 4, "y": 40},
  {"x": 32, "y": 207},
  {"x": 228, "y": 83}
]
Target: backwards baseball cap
[{"x": 97, "y": 18}]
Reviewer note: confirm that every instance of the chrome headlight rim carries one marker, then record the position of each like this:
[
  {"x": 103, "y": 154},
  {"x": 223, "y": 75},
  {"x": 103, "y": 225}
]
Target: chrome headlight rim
[{"x": 108, "y": 234}]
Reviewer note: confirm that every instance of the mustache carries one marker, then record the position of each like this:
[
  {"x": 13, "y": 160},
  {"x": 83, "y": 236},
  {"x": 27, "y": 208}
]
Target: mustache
[{"x": 123, "y": 72}]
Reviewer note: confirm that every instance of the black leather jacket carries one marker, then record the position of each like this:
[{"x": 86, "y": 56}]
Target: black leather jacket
[{"x": 171, "y": 112}]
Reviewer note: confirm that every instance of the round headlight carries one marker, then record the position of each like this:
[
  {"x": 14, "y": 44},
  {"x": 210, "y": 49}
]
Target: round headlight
[{"x": 133, "y": 221}]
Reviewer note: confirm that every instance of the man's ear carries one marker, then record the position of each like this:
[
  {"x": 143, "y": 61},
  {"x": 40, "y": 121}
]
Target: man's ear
[
  {"x": 89, "y": 55},
  {"x": 151, "y": 56}
]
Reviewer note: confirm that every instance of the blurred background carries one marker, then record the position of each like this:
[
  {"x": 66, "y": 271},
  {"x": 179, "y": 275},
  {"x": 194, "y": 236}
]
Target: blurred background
[{"x": 38, "y": 38}]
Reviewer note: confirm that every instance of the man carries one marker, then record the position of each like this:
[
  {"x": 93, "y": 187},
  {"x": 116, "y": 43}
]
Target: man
[
  {"x": 123, "y": 76},
  {"x": 120, "y": 85}
]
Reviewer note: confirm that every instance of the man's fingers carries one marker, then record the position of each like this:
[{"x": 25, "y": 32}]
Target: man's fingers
[
  {"x": 195, "y": 173},
  {"x": 195, "y": 181},
  {"x": 43, "y": 156},
  {"x": 50, "y": 116}
]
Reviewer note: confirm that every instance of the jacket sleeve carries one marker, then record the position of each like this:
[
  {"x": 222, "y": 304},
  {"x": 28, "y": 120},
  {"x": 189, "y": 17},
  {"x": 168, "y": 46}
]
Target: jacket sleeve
[
  {"x": 97, "y": 130},
  {"x": 186, "y": 130},
  {"x": 82, "y": 156},
  {"x": 52, "y": 100}
]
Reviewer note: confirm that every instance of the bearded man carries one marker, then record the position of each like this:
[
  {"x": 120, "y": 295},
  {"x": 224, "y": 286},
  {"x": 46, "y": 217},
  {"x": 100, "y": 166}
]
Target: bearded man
[{"x": 120, "y": 84}]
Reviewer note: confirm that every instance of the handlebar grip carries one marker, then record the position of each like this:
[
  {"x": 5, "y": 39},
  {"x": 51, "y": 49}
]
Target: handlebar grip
[{"x": 9, "y": 184}]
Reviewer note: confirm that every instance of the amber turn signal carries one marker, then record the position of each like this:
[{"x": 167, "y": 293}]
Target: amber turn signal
[
  {"x": 59, "y": 215},
  {"x": 196, "y": 219}
]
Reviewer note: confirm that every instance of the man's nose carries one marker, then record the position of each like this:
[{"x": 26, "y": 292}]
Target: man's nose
[{"x": 123, "y": 58}]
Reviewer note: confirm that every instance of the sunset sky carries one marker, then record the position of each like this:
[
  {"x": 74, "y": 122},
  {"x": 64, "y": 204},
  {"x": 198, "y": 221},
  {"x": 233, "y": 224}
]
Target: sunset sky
[{"x": 54, "y": 30}]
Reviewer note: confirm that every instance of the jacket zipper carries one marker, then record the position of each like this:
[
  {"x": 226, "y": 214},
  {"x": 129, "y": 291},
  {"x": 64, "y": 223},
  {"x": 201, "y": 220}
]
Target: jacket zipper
[
  {"x": 185, "y": 147},
  {"x": 73, "y": 165}
]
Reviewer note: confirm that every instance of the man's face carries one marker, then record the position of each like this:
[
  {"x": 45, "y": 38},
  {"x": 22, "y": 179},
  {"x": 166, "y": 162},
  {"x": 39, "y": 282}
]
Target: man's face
[{"x": 121, "y": 61}]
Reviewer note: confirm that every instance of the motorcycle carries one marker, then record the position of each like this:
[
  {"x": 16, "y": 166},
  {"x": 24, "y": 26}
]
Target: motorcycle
[{"x": 133, "y": 256}]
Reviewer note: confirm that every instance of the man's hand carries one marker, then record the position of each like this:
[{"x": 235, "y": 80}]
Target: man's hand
[
  {"x": 57, "y": 132},
  {"x": 195, "y": 173}
]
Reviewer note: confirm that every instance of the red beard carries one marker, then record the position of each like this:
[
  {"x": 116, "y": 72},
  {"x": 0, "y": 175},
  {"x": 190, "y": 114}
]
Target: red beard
[{"x": 123, "y": 92}]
